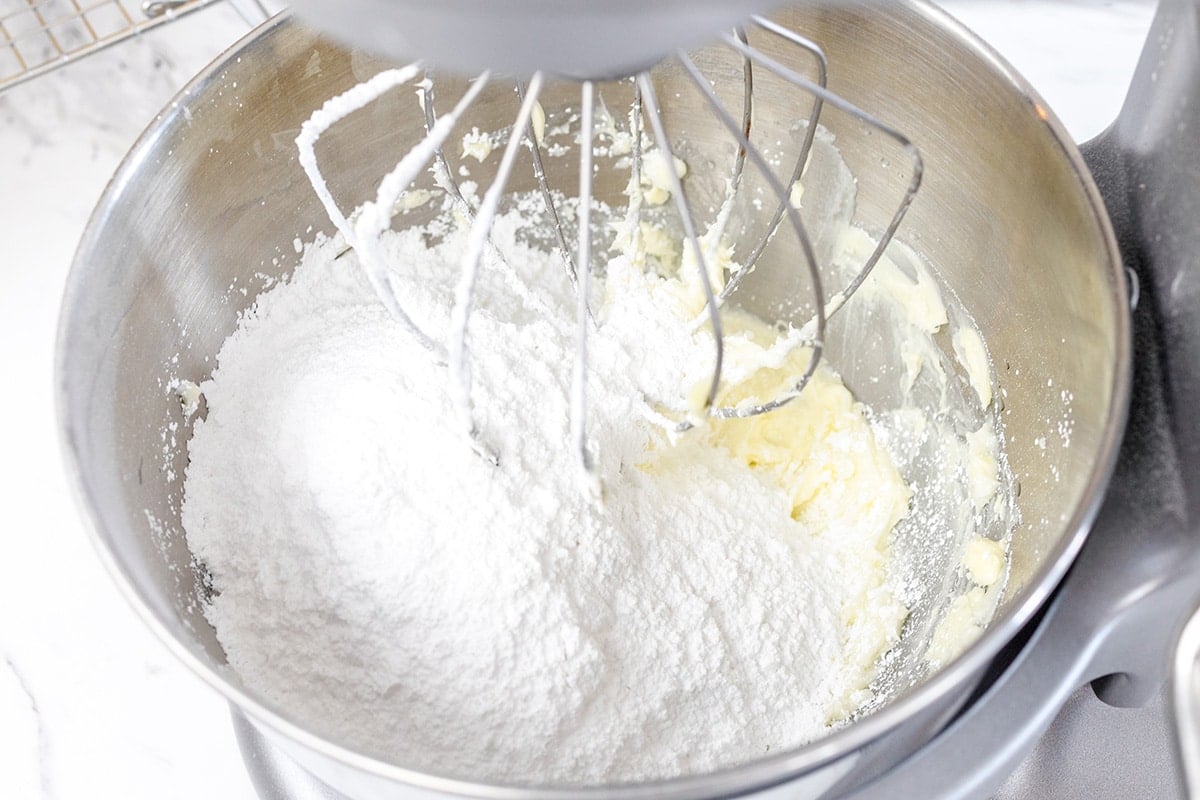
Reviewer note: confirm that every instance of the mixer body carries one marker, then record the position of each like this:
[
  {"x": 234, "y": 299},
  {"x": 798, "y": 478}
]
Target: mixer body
[
  {"x": 570, "y": 38},
  {"x": 211, "y": 200}
]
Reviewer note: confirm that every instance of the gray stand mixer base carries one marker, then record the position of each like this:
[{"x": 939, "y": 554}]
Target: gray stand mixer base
[
  {"x": 1100, "y": 752},
  {"x": 1092, "y": 751}
]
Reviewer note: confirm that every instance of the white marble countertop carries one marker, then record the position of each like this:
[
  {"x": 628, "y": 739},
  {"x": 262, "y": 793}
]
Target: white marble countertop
[{"x": 91, "y": 704}]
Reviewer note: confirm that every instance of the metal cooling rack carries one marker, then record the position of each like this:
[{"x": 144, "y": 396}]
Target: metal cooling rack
[{"x": 37, "y": 36}]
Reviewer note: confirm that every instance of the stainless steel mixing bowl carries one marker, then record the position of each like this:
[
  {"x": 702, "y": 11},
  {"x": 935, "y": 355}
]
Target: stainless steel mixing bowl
[{"x": 204, "y": 212}]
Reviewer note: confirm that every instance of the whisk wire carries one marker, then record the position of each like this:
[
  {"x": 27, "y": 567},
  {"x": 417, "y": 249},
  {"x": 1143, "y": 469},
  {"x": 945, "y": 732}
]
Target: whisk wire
[
  {"x": 444, "y": 177},
  {"x": 739, "y": 160},
  {"x": 837, "y": 101},
  {"x": 653, "y": 112},
  {"x": 579, "y": 377},
  {"x": 460, "y": 314},
  {"x": 810, "y": 131},
  {"x": 817, "y": 342},
  {"x": 539, "y": 174},
  {"x": 333, "y": 111},
  {"x": 446, "y": 180},
  {"x": 633, "y": 189},
  {"x": 375, "y": 218}
]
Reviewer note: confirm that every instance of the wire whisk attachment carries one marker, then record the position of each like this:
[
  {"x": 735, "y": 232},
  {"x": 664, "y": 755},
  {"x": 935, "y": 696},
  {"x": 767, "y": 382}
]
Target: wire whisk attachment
[{"x": 647, "y": 125}]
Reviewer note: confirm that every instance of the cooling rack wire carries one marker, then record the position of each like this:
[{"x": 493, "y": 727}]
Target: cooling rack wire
[{"x": 37, "y": 36}]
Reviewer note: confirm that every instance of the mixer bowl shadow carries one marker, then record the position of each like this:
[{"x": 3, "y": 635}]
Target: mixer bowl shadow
[{"x": 204, "y": 212}]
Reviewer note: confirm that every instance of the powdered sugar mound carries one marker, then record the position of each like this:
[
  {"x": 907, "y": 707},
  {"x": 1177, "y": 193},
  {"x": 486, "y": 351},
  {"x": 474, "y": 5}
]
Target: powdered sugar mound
[{"x": 386, "y": 586}]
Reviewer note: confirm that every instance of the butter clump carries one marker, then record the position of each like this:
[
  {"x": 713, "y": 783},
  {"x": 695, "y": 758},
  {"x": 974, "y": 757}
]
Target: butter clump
[
  {"x": 984, "y": 561},
  {"x": 820, "y": 449},
  {"x": 656, "y": 176},
  {"x": 968, "y": 346},
  {"x": 961, "y": 625}
]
